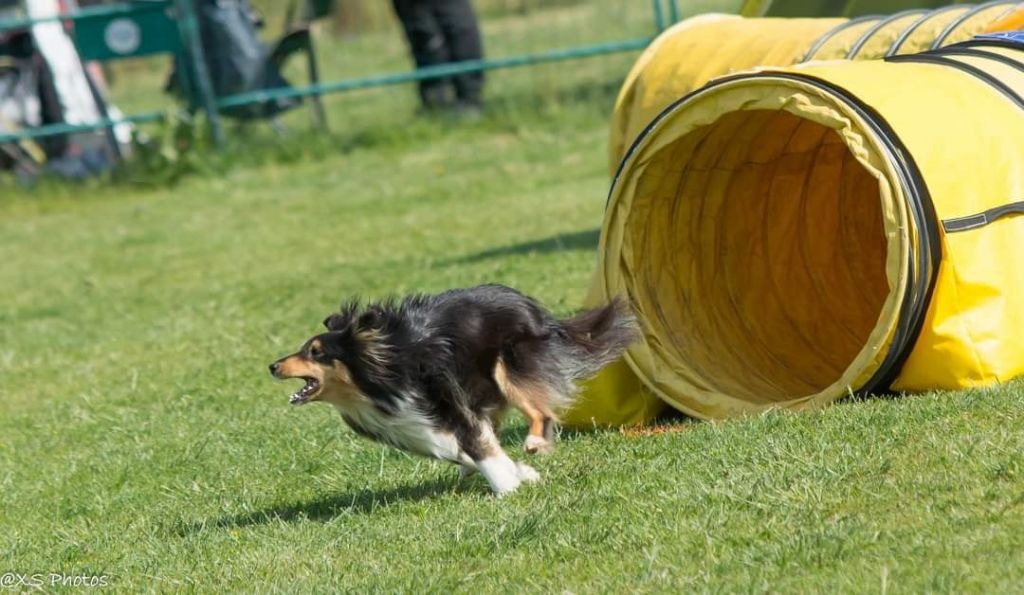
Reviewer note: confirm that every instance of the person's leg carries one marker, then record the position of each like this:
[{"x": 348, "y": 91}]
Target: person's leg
[
  {"x": 461, "y": 31},
  {"x": 428, "y": 46}
]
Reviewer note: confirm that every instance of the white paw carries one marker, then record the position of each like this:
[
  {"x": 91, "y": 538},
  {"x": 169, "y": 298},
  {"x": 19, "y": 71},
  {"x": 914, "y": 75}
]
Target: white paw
[
  {"x": 527, "y": 473},
  {"x": 501, "y": 473},
  {"x": 505, "y": 488},
  {"x": 537, "y": 445}
]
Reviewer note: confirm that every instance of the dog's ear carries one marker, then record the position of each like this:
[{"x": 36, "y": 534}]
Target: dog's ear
[
  {"x": 372, "y": 318},
  {"x": 342, "y": 319},
  {"x": 335, "y": 322}
]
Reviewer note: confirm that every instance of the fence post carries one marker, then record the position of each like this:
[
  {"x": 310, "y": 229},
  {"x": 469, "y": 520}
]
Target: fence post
[
  {"x": 188, "y": 27},
  {"x": 673, "y": 11},
  {"x": 659, "y": 16}
]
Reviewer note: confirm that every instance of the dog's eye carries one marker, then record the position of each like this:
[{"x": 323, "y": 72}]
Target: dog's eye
[{"x": 315, "y": 352}]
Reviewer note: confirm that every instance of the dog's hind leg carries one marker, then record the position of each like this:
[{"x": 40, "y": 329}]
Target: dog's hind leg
[
  {"x": 532, "y": 402},
  {"x": 540, "y": 440}
]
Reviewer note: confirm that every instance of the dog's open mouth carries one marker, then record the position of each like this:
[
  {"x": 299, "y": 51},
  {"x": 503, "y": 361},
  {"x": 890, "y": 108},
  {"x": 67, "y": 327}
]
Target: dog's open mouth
[{"x": 304, "y": 394}]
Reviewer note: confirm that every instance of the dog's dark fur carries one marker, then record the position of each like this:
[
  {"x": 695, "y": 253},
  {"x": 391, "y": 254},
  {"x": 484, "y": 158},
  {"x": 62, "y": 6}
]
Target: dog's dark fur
[{"x": 433, "y": 374}]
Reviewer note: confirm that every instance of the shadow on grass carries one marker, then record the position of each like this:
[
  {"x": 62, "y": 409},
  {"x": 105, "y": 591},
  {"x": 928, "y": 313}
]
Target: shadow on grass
[
  {"x": 326, "y": 508},
  {"x": 580, "y": 240},
  {"x": 365, "y": 501}
]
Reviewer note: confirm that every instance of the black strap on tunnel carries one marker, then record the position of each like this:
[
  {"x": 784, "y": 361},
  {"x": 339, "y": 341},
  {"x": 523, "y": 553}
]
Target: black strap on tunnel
[
  {"x": 982, "y": 219},
  {"x": 863, "y": 40},
  {"x": 971, "y": 52},
  {"x": 986, "y": 42},
  {"x": 975, "y": 49},
  {"x": 922, "y": 264}
]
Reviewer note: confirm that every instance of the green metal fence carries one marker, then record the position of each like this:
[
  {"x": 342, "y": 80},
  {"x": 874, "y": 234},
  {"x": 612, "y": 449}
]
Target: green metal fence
[{"x": 178, "y": 35}]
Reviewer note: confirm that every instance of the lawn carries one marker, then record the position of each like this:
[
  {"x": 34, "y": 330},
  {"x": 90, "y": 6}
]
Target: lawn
[{"x": 141, "y": 437}]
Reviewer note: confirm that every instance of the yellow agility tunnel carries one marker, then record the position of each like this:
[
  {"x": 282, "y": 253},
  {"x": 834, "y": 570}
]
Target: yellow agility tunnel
[
  {"x": 704, "y": 47},
  {"x": 794, "y": 235}
]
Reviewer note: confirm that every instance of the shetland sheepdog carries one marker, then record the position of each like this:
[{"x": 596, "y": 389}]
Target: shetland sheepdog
[{"x": 434, "y": 374}]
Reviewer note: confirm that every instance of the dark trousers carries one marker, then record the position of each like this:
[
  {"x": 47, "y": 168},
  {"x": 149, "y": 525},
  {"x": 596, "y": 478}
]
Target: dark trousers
[{"x": 439, "y": 32}]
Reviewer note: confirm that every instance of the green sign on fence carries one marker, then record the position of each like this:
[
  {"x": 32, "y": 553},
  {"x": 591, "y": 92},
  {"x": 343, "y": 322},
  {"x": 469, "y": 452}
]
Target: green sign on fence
[{"x": 149, "y": 29}]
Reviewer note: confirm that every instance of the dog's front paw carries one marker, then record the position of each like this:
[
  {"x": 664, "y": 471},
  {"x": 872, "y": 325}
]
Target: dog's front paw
[
  {"x": 506, "y": 487},
  {"x": 527, "y": 473},
  {"x": 537, "y": 445}
]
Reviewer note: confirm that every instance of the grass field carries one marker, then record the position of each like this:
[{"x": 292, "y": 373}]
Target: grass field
[{"x": 141, "y": 437}]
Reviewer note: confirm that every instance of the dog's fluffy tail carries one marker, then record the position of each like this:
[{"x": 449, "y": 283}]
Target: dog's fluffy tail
[{"x": 597, "y": 337}]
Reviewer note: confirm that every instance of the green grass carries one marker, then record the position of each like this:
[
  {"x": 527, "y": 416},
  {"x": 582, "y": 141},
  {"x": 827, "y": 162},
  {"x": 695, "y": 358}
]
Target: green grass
[{"x": 142, "y": 438}]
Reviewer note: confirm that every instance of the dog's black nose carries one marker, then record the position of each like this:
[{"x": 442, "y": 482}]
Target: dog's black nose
[{"x": 274, "y": 367}]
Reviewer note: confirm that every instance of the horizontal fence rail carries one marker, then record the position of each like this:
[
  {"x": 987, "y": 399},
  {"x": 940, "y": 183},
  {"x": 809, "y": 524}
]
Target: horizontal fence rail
[{"x": 438, "y": 71}]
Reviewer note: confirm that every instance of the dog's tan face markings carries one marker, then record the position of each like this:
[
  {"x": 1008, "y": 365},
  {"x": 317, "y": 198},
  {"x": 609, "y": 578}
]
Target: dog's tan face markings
[
  {"x": 327, "y": 379},
  {"x": 338, "y": 386}
]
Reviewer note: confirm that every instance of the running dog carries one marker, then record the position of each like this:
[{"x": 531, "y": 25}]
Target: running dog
[{"x": 434, "y": 374}]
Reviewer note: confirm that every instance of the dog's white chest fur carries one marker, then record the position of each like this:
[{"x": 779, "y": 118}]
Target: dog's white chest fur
[{"x": 407, "y": 429}]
